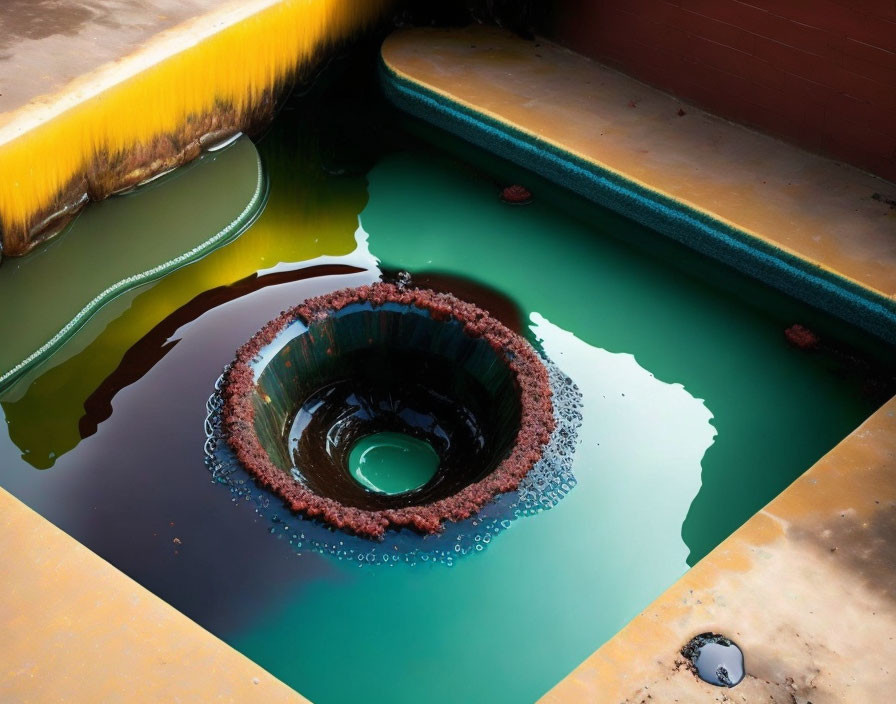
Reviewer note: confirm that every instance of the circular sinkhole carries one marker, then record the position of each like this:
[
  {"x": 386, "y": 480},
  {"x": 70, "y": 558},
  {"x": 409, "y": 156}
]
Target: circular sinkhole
[
  {"x": 543, "y": 488},
  {"x": 387, "y": 407}
]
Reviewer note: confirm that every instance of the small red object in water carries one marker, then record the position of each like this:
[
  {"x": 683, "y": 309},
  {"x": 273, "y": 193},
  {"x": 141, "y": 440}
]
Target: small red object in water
[
  {"x": 516, "y": 194},
  {"x": 802, "y": 337},
  {"x": 681, "y": 113}
]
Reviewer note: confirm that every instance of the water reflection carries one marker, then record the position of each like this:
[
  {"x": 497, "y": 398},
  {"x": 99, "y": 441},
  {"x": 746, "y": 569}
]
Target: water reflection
[
  {"x": 135, "y": 490},
  {"x": 309, "y": 214},
  {"x": 646, "y": 440}
]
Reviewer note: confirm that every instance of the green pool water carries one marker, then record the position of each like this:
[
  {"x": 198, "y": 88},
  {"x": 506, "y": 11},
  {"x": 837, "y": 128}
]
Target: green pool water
[{"x": 696, "y": 412}]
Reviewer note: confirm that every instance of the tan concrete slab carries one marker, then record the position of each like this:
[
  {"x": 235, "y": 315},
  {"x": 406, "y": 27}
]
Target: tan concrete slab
[
  {"x": 807, "y": 588},
  {"x": 45, "y": 44},
  {"x": 820, "y": 210},
  {"x": 56, "y": 53},
  {"x": 75, "y": 629}
]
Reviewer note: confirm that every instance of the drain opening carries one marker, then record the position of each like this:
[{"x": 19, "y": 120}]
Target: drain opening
[
  {"x": 392, "y": 463},
  {"x": 715, "y": 659},
  {"x": 391, "y": 362}
]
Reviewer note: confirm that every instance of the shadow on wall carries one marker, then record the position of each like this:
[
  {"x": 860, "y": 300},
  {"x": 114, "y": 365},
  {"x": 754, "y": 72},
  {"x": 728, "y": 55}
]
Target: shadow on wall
[{"x": 522, "y": 17}]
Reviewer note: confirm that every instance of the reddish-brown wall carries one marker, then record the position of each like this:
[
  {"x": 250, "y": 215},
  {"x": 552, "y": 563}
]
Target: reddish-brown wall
[{"x": 821, "y": 73}]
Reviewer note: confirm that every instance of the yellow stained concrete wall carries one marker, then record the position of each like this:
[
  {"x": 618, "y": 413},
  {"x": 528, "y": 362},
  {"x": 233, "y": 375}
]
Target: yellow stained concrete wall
[{"x": 227, "y": 60}]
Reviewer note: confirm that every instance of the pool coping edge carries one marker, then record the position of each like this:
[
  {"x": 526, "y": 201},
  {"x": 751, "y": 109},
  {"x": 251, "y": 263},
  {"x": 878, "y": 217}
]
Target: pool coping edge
[{"x": 702, "y": 231}]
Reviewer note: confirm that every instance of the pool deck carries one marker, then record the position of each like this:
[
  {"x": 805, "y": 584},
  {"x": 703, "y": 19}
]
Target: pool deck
[
  {"x": 807, "y": 587},
  {"x": 798, "y": 221},
  {"x": 54, "y": 56},
  {"x": 76, "y": 629}
]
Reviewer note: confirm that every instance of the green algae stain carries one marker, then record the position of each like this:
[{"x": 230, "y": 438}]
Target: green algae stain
[{"x": 310, "y": 213}]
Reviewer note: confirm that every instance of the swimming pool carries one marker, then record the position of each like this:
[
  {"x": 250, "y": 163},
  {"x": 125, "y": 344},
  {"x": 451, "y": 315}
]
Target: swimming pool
[{"x": 696, "y": 412}]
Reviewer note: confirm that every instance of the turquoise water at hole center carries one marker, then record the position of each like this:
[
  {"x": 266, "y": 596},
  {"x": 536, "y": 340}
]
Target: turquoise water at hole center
[{"x": 392, "y": 463}]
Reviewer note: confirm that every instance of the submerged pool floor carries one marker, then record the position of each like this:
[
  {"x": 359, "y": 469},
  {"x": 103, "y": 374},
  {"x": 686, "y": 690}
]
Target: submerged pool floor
[{"x": 696, "y": 413}]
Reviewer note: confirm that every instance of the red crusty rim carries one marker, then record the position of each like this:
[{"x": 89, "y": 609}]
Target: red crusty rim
[{"x": 536, "y": 418}]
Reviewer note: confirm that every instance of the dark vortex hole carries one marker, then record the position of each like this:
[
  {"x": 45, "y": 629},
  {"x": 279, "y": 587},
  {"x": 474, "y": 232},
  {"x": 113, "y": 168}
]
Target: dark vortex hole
[{"x": 326, "y": 388}]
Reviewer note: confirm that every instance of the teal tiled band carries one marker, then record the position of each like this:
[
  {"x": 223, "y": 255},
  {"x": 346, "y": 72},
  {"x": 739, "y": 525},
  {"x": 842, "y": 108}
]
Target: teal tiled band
[
  {"x": 741, "y": 250},
  {"x": 237, "y": 226}
]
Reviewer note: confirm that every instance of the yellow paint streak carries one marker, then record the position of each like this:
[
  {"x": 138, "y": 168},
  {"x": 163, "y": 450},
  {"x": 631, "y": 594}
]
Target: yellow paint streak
[
  {"x": 308, "y": 215},
  {"x": 233, "y": 68}
]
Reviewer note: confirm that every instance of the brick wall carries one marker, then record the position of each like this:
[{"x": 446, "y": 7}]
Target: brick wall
[{"x": 821, "y": 73}]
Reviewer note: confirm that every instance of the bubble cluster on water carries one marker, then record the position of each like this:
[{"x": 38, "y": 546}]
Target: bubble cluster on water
[{"x": 540, "y": 490}]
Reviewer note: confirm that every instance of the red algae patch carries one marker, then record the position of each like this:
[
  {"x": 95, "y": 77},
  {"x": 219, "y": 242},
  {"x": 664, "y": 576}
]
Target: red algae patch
[
  {"x": 802, "y": 337},
  {"x": 530, "y": 381},
  {"x": 516, "y": 195}
]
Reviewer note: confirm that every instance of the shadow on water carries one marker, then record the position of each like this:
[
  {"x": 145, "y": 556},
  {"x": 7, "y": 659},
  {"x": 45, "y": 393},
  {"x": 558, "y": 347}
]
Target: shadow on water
[
  {"x": 152, "y": 347},
  {"x": 490, "y": 299},
  {"x": 137, "y": 492},
  {"x": 687, "y": 319},
  {"x": 318, "y": 188},
  {"x": 119, "y": 411}
]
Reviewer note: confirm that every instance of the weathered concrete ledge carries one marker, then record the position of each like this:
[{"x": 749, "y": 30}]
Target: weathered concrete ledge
[
  {"x": 822, "y": 231},
  {"x": 807, "y": 588},
  {"x": 63, "y": 56},
  {"x": 98, "y": 97},
  {"x": 76, "y": 629}
]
